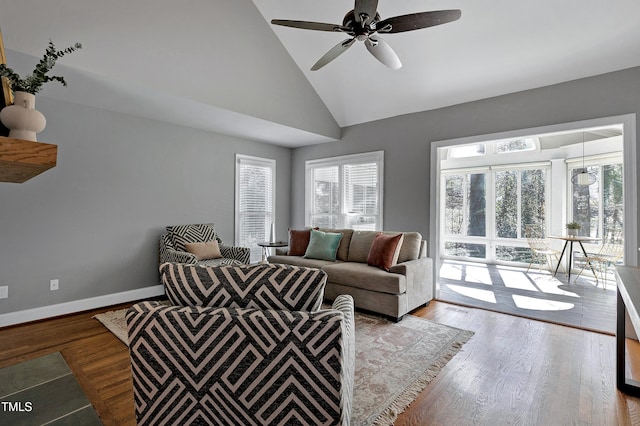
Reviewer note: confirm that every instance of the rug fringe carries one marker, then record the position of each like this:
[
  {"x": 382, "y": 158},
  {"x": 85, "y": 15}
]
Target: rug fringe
[{"x": 400, "y": 404}]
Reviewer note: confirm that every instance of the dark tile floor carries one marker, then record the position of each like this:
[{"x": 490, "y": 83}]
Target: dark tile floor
[
  {"x": 536, "y": 294},
  {"x": 43, "y": 391}
]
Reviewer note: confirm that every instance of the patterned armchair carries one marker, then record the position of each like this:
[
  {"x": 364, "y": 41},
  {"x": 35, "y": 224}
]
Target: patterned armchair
[
  {"x": 173, "y": 246},
  {"x": 246, "y": 345}
]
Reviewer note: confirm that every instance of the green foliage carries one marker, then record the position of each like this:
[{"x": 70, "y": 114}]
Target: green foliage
[
  {"x": 573, "y": 225},
  {"x": 33, "y": 82}
]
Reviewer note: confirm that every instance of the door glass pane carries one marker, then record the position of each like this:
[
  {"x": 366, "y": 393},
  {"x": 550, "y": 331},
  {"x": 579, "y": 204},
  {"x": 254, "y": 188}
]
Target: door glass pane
[
  {"x": 612, "y": 198},
  {"x": 476, "y": 251},
  {"x": 533, "y": 206},
  {"x": 476, "y": 214},
  {"x": 454, "y": 205},
  {"x": 507, "y": 204},
  {"x": 516, "y": 254}
]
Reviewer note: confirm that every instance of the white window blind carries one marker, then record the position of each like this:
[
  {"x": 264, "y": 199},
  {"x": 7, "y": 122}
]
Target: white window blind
[
  {"x": 255, "y": 202},
  {"x": 345, "y": 192}
]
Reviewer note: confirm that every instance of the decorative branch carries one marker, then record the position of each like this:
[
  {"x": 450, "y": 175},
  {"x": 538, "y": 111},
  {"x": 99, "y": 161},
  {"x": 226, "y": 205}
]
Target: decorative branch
[{"x": 33, "y": 83}]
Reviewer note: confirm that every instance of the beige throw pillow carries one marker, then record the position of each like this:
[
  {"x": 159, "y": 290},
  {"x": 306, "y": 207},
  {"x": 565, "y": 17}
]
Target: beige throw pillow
[{"x": 205, "y": 250}]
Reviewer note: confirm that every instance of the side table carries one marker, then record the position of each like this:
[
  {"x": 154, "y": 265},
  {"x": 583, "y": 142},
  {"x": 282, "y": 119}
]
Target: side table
[{"x": 267, "y": 245}]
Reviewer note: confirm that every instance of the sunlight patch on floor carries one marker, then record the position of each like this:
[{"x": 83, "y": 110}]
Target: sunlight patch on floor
[
  {"x": 474, "y": 293},
  {"x": 478, "y": 275},
  {"x": 452, "y": 272},
  {"x": 534, "y": 304},
  {"x": 551, "y": 285},
  {"x": 518, "y": 280}
]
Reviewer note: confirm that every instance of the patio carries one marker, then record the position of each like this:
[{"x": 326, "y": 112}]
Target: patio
[{"x": 534, "y": 294}]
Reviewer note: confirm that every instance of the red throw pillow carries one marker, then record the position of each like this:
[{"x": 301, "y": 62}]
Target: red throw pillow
[
  {"x": 385, "y": 250},
  {"x": 298, "y": 241}
]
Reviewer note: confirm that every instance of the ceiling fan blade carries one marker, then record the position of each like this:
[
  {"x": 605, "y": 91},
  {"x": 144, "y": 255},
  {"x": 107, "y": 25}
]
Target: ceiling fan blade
[
  {"x": 305, "y": 25},
  {"x": 383, "y": 52},
  {"x": 365, "y": 7},
  {"x": 416, "y": 21},
  {"x": 336, "y": 51}
]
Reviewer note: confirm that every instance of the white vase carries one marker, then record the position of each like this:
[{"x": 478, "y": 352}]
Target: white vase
[{"x": 22, "y": 119}]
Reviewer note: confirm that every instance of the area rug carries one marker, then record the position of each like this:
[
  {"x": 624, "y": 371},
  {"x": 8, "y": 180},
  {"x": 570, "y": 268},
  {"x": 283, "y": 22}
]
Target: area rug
[
  {"x": 43, "y": 391},
  {"x": 394, "y": 361}
]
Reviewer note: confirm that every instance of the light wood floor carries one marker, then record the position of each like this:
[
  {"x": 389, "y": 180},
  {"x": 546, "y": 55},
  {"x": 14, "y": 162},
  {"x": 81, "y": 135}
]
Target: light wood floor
[{"x": 513, "y": 371}]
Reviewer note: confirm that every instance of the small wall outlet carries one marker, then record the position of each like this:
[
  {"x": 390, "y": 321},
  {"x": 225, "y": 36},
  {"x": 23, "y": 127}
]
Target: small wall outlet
[
  {"x": 54, "y": 285},
  {"x": 4, "y": 292}
]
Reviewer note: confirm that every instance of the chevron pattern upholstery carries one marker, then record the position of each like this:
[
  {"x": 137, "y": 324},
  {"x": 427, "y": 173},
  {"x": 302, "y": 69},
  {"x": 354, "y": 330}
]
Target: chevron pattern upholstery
[
  {"x": 172, "y": 246},
  {"x": 264, "y": 286},
  {"x": 242, "y": 365}
]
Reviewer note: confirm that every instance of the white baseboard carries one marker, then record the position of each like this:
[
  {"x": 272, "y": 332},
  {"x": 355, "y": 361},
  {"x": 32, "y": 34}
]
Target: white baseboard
[{"x": 19, "y": 317}]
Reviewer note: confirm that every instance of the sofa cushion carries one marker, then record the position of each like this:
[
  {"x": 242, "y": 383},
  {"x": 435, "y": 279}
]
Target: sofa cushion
[
  {"x": 384, "y": 251},
  {"x": 264, "y": 286},
  {"x": 410, "y": 249},
  {"x": 182, "y": 234},
  {"x": 367, "y": 277},
  {"x": 300, "y": 261},
  {"x": 360, "y": 245},
  {"x": 204, "y": 250},
  {"x": 298, "y": 241},
  {"x": 343, "y": 248},
  {"x": 323, "y": 245}
]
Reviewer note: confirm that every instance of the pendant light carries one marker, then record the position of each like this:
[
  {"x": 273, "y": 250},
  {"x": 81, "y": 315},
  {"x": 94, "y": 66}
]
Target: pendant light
[{"x": 583, "y": 177}]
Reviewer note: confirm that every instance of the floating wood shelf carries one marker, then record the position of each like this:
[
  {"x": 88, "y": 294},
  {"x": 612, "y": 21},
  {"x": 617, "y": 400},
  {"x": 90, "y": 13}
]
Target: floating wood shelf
[{"x": 21, "y": 160}]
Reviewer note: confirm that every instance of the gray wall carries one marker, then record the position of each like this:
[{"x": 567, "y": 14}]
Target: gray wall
[
  {"x": 406, "y": 139},
  {"x": 93, "y": 221}
]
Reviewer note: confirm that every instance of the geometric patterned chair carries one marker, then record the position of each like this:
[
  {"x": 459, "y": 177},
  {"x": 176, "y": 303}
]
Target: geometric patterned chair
[
  {"x": 173, "y": 246},
  {"x": 242, "y": 345}
]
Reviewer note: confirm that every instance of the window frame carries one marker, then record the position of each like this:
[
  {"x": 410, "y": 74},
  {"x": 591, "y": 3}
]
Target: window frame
[
  {"x": 240, "y": 160},
  {"x": 376, "y": 157}
]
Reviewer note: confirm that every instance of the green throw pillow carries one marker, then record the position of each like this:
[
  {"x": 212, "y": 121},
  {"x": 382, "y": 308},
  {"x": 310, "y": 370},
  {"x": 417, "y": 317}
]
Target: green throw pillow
[{"x": 323, "y": 245}]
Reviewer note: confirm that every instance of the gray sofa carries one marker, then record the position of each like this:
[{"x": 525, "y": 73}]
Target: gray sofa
[{"x": 405, "y": 287}]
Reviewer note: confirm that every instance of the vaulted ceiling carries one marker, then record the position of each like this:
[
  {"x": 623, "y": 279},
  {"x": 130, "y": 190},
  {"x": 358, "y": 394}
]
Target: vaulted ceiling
[{"x": 219, "y": 65}]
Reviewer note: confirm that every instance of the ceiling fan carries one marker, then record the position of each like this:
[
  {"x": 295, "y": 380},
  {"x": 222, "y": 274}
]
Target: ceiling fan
[{"x": 363, "y": 23}]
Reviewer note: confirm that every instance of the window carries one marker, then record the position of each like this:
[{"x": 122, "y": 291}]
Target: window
[
  {"x": 345, "y": 192},
  {"x": 465, "y": 213},
  {"x": 521, "y": 199},
  {"x": 515, "y": 145},
  {"x": 468, "y": 150},
  {"x": 486, "y": 210},
  {"x": 255, "y": 202},
  {"x": 599, "y": 207}
]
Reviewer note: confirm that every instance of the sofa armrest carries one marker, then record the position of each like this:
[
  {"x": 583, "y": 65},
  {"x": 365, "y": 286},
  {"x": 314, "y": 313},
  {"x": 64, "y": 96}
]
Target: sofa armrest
[
  {"x": 344, "y": 303},
  {"x": 419, "y": 277},
  {"x": 241, "y": 254}
]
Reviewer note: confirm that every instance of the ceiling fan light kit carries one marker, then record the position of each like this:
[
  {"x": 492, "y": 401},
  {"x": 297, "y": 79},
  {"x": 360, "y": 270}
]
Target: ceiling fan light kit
[{"x": 363, "y": 23}]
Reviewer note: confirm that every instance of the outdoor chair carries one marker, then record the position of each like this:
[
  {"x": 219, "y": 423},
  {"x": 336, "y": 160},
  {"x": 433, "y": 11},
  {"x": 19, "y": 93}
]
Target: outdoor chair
[
  {"x": 540, "y": 248},
  {"x": 610, "y": 253}
]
